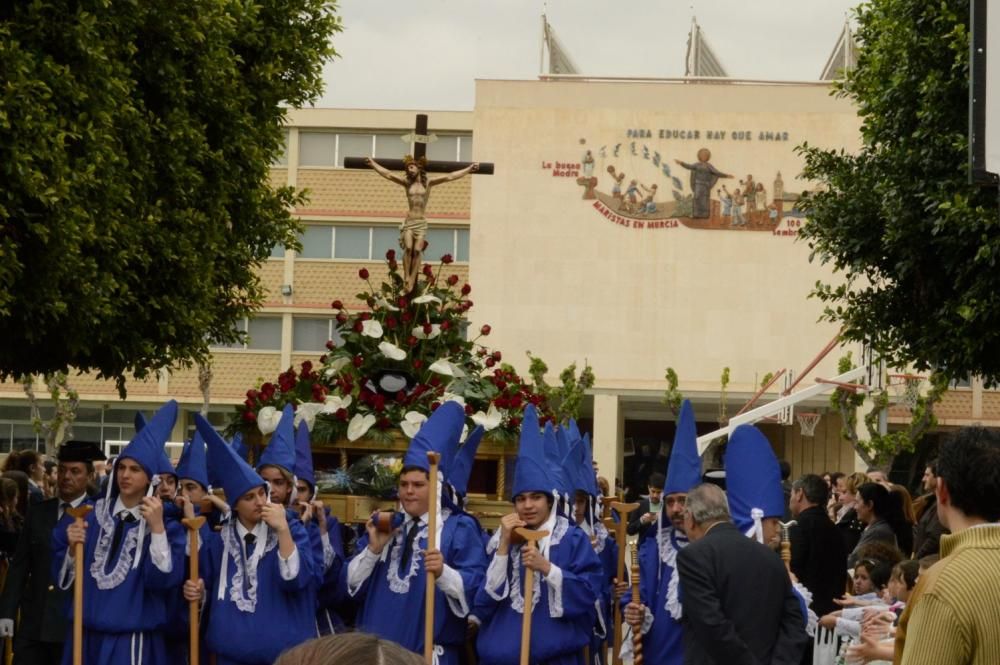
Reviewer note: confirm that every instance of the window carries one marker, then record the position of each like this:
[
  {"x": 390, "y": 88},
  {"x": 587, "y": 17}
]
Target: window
[
  {"x": 281, "y": 159},
  {"x": 391, "y": 146},
  {"x": 447, "y": 241},
  {"x": 264, "y": 334},
  {"x": 353, "y": 145},
  {"x": 312, "y": 334},
  {"x": 317, "y": 148},
  {"x": 352, "y": 242},
  {"x": 384, "y": 238},
  {"x": 465, "y": 148},
  {"x": 278, "y": 251},
  {"x": 445, "y": 149},
  {"x": 317, "y": 242}
]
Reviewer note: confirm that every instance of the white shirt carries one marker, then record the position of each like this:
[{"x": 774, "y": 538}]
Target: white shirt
[
  {"x": 75, "y": 503},
  {"x": 289, "y": 568}
]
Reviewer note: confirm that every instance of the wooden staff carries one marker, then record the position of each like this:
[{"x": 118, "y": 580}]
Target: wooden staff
[
  {"x": 636, "y": 630},
  {"x": 433, "y": 458},
  {"x": 623, "y": 510},
  {"x": 193, "y": 524},
  {"x": 79, "y": 513},
  {"x": 786, "y": 545},
  {"x": 531, "y": 537}
]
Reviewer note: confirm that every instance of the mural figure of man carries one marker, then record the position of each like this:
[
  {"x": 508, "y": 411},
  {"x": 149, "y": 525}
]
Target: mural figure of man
[{"x": 704, "y": 176}]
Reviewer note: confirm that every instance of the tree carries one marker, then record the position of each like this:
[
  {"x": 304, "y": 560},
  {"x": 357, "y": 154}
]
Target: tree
[
  {"x": 60, "y": 427},
  {"x": 879, "y": 450},
  {"x": 916, "y": 245},
  {"x": 136, "y": 140}
]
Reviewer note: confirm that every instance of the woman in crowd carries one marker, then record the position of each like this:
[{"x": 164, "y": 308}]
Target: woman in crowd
[
  {"x": 901, "y": 518},
  {"x": 10, "y": 520},
  {"x": 846, "y": 517},
  {"x": 21, "y": 480},
  {"x": 872, "y": 506}
]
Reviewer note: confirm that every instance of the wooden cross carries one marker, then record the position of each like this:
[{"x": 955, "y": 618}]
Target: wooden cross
[{"x": 420, "y": 138}]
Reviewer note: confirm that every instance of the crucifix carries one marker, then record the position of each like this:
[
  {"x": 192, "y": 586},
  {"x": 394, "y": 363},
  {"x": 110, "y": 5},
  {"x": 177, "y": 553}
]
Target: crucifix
[{"x": 413, "y": 231}]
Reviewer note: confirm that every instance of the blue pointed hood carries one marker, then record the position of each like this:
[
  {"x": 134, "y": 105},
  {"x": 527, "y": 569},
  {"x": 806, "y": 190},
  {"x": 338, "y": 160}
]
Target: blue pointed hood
[
  {"x": 146, "y": 447},
  {"x": 304, "y": 457},
  {"x": 753, "y": 480},
  {"x": 193, "y": 464},
  {"x": 556, "y": 454},
  {"x": 531, "y": 473},
  {"x": 439, "y": 433},
  {"x": 239, "y": 446},
  {"x": 461, "y": 468},
  {"x": 684, "y": 468},
  {"x": 139, "y": 421},
  {"x": 589, "y": 477},
  {"x": 166, "y": 467},
  {"x": 234, "y": 474},
  {"x": 280, "y": 449}
]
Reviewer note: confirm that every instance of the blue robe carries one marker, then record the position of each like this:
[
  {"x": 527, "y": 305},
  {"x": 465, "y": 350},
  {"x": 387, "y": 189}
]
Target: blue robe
[
  {"x": 176, "y": 632},
  {"x": 392, "y": 601},
  {"x": 607, "y": 551},
  {"x": 253, "y": 624},
  {"x": 331, "y": 594},
  {"x": 561, "y": 622},
  {"x": 122, "y": 622},
  {"x": 657, "y": 574}
]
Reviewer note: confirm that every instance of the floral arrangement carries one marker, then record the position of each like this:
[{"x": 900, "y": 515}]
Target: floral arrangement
[{"x": 399, "y": 360}]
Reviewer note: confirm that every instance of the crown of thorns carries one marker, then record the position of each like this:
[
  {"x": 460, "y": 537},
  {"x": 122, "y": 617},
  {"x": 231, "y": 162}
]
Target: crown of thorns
[{"x": 409, "y": 159}]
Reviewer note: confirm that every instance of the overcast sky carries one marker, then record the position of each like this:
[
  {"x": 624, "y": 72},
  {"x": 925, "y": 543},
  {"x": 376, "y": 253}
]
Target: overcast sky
[{"x": 426, "y": 54}]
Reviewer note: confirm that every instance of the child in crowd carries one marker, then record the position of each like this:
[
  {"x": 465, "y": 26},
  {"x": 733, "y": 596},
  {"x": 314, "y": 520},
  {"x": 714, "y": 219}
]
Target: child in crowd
[
  {"x": 871, "y": 577},
  {"x": 876, "y": 638}
]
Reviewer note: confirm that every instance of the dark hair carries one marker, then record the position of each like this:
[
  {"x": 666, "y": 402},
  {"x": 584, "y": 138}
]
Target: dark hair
[
  {"x": 814, "y": 487},
  {"x": 10, "y": 518},
  {"x": 10, "y": 462},
  {"x": 49, "y": 465},
  {"x": 21, "y": 478},
  {"x": 354, "y": 648},
  {"x": 411, "y": 467},
  {"x": 656, "y": 480},
  {"x": 786, "y": 469},
  {"x": 878, "y": 496},
  {"x": 900, "y": 517},
  {"x": 907, "y": 571},
  {"x": 969, "y": 465},
  {"x": 834, "y": 477},
  {"x": 879, "y": 550},
  {"x": 933, "y": 465},
  {"x": 27, "y": 459},
  {"x": 878, "y": 571}
]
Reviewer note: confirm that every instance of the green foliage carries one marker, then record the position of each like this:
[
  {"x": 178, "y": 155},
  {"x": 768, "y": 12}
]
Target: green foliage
[
  {"x": 672, "y": 397},
  {"x": 135, "y": 146},
  {"x": 723, "y": 395},
  {"x": 567, "y": 398},
  {"x": 65, "y": 401},
  {"x": 879, "y": 450},
  {"x": 916, "y": 245}
]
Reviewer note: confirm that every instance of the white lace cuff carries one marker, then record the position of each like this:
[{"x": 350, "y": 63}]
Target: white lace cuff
[
  {"x": 289, "y": 568},
  {"x": 554, "y": 581},
  {"x": 327, "y": 551},
  {"x": 359, "y": 569},
  {"x": 496, "y": 577},
  {"x": 453, "y": 587},
  {"x": 159, "y": 552},
  {"x": 647, "y": 621},
  {"x": 68, "y": 571},
  {"x": 848, "y": 627}
]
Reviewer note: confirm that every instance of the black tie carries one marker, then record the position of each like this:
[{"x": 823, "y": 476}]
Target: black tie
[
  {"x": 249, "y": 539},
  {"x": 411, "y": 535},
  {"x": 116, "y": 542},
  {"x": 62, "y": 508}
]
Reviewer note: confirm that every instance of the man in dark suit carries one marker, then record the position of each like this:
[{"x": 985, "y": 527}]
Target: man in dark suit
[
  {"x": 739, "y": 608},
  {"x": 644, "y": 520},
  {"x": 819, "y": 558},
  {"x": 38, "y": 639}
]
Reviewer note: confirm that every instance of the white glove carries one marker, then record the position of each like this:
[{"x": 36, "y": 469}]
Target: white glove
[{"x": 6, "y": 628}]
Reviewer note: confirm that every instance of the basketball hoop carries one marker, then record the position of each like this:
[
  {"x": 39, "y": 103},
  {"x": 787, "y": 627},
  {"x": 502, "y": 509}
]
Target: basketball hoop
[
  {"x": 807, "y": 422},
  {"x": 906, "y": 388}
]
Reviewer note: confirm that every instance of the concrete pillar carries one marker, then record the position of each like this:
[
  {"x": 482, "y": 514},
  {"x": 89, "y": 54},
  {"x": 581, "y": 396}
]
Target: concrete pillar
[{"x": 609, "y": 431}]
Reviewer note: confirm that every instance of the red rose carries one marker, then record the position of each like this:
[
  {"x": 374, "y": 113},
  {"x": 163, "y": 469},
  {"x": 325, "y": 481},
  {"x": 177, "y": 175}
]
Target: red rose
[
  {"x": 358, "y": 361},
  {"x": 342, "y": 414},
  {"x": 427, "y": 270},
  {"x": 469, "y": 410},
  {"x": 400, "y": 396},
  {"x": 445, "y": 325},
  {"x": 379, "y": 402},
  {"x": 435, "y": 382},
  {"x": 390, "y": 255},
  {"x": 364, "y": 316},
  {"x": 497, "y": 356},
  {"x": 403, "y": 302},
  {"x": 466, "y": 290},
  {"x": 341, "y": 318},
  {"x": 411, "y": 341},
  {"x": 446, "y": 259},
  {"x": 407, "y": 317},
  {"x": 249, "y": 404},
  {"x": 428, "y": 329},
  {"x": 390, "y": 323},
  {"x": 384, "y": 423},
  {"x": 250, "y": 416},
  {"x": 336, "y": 304},
  {"x": 452, "y": 280},
  {"x": 500, "y": 403},
  {"x": 485, "y": 330},
  {"x": 331, "y": 345},
  {"x": 363, "y": 273},
  {"x": 267, "y": 390},
  {"x": 323, "y": 359},
  {"x": 393, "y": 266},
  {"x": 481, "y": 351},
  {"x": 417, "y": 363},
  {"x": 501, "y": 386},
  {"x": 515, "y": 421},
  {"x": 490, "y": 362},
  {"x": 307, "y": 366},
  {"x": 251, "y": 394},
  {"x": 435, "y": 405},
  {"x": 515, "y": 402},
  {"x": 467, "y": 305},
  {"x": 358, "y": 327}
]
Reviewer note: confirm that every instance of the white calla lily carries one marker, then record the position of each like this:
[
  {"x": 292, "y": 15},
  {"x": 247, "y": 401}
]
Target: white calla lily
[
  {"x": 489, "y": 420},
  {"x": 411, "y": 423},
  {"x": 359, "y": 426},
  {"x": 371, "y": 328},
  {"x": 457, "y": 371},
  {"x": 268, "y": 419},
  {"x": 336, "y": 365},
  {"x": 391, "y": 351},
  {"x": 307, "y": 413},
  {"x": 385, "y": 304},
  {"x": 335, "y": 403},
  {"x": 452, "y": 397},
  {"x": 426, "y": 298},
  {"x": 442, "y": 366},
  {"x": 419, "y": 333}
]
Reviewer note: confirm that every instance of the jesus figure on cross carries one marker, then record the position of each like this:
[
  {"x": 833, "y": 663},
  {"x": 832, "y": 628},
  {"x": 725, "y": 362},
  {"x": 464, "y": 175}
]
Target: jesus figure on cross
[{"x": 413, "y": 231}]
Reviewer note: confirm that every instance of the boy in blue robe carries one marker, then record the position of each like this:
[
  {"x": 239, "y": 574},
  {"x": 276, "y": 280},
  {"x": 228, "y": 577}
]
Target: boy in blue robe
[
  {"x": 261, "y": 594},
  {"x": 388, "y": 575},
  {"x": 132, "y": 558},
  {"x": 567, "y": 571},
  {"x": 324, "y": 536},
  {"x": 657, "y": 611}
]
